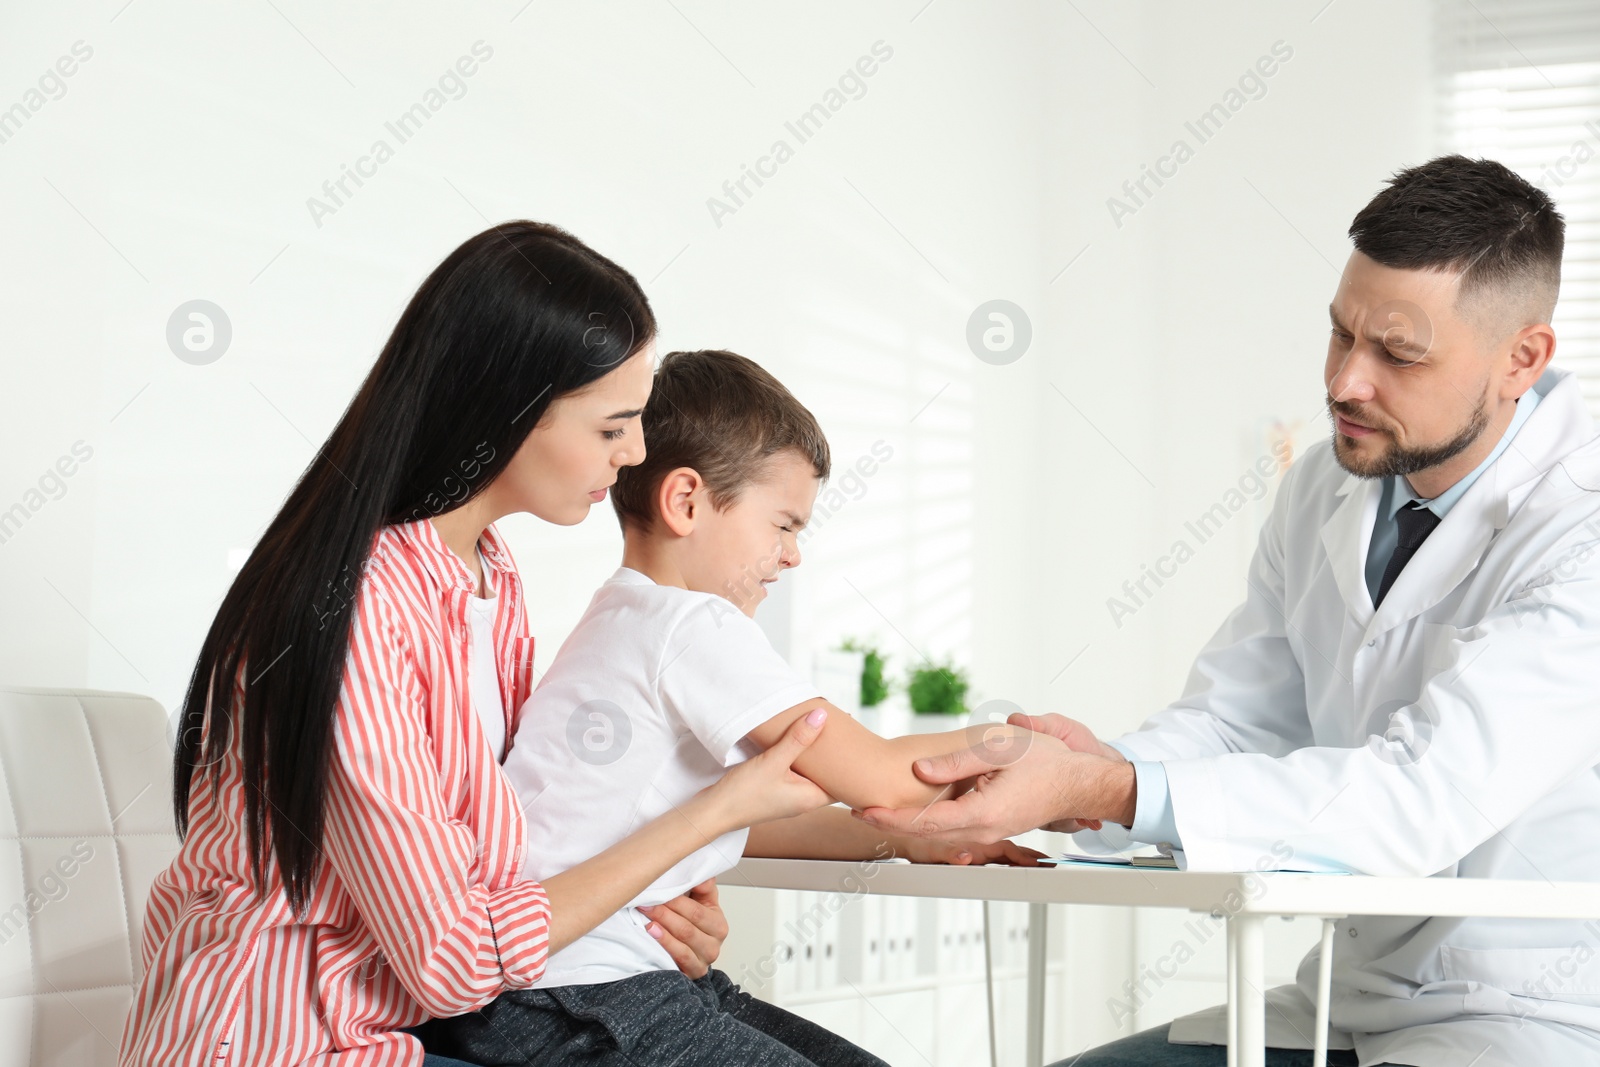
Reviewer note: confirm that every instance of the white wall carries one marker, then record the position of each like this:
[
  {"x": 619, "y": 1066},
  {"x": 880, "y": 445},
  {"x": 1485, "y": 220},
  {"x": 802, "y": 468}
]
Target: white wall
[
  {"x": 977, "y": 165},
  {"x": 1227, "y": 270},
  {"x": 184, "y": 171}
]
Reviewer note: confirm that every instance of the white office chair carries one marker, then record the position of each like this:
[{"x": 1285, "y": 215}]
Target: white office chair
[{"x": 85, "y": 826}]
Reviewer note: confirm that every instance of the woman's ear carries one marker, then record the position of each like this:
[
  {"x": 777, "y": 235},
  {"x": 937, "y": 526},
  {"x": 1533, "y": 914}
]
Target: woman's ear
[{"x": 678, "y": 499}]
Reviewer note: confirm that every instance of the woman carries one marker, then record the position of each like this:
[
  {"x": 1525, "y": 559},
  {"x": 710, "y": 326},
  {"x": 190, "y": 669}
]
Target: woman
[{"x": 350, "y": 847}]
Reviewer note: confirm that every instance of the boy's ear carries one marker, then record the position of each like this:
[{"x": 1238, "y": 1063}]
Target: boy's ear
[{"x": 678, "y": 500}]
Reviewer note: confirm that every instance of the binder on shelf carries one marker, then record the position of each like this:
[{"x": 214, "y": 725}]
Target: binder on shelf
[
  {"x": 827, "y": 942},
  {"x": 784, "y": 964},
  {"x": 802, "y": 933},
  {"x": 926, "y": 960},
  {"x": 871, "y": 941}
]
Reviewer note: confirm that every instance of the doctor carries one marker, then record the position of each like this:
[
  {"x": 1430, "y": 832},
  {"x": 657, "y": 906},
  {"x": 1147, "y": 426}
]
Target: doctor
[{"x": 1412, "y": 684}]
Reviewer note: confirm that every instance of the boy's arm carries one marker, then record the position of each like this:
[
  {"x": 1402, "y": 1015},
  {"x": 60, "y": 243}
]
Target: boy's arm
[
  {"x": 854, "y": 765},
  {"x": 825, "y": 834},
  {"x": 831, "y": 834}
]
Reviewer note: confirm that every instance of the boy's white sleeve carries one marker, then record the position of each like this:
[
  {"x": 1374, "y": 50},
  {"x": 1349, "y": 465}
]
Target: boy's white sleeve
[{"x": 722, "y": 678}]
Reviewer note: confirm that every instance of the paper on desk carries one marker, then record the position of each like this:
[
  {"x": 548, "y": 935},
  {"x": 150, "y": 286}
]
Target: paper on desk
[
  {"x": 1166, "y": 861},
  {"x": 1157, "y": 862}
]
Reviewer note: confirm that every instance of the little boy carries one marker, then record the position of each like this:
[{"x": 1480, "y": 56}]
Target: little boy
[{"x": 665, "y": 683}]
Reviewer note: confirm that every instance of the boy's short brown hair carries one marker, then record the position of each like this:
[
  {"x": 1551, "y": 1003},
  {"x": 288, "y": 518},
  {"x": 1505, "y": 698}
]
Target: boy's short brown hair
[{"x": 723, "y": 416}]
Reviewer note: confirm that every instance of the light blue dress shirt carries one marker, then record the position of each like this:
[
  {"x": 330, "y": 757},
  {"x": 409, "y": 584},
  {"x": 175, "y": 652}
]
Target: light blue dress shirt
[
  {"x": 1397, "y": 493},
  {"x": 1153, "y": 821}
]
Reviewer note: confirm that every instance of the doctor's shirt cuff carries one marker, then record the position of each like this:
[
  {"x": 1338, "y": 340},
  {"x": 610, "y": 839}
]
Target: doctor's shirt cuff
[{"x": 1153, "y": 821}]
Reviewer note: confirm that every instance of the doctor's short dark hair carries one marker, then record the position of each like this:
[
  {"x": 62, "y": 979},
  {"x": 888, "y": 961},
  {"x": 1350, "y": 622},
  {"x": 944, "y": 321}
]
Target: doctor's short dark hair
[
  {"x": 723, "y": 416},
  {"x": 1472, "y": 216}
]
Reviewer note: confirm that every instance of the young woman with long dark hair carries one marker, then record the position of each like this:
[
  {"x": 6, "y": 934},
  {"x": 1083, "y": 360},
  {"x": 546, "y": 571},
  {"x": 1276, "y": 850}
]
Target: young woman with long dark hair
[{"x": 351, "y": 849}]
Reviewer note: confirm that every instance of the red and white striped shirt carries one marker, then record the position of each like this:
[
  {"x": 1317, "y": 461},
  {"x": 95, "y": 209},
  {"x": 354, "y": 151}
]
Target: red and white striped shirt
[{"x": 416, "y": 910}]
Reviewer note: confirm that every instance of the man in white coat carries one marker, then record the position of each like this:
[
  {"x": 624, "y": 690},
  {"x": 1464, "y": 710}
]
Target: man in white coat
[{"x": 1412, "y": 684}]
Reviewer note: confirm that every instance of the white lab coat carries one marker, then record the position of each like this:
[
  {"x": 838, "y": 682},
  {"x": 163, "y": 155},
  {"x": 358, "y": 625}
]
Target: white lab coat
[{"x": 1482, "y": 667}]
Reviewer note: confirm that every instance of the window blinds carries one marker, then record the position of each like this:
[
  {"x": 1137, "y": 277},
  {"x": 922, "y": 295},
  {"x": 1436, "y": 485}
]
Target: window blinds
[{"x": 1520, "y": 83}]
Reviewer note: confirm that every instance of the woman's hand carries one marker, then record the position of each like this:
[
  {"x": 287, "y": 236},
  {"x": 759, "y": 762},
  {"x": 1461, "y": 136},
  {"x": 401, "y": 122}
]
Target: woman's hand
[
  {"x": 965, "y": 853},
  {"x": 691, "y": 928},
  {"x": 758, "y": 790},
  {"x": 766, "y": 787}
]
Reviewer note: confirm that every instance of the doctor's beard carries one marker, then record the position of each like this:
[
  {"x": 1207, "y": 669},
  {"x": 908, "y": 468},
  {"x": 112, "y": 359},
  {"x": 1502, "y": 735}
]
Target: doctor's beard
[{"x": 1397, "y": 460}]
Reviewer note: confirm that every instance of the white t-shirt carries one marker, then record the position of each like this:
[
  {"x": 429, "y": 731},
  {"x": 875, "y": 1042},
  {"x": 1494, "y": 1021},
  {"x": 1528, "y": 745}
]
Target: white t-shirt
[
  {"x": 646, "y": 704},
  {"x": 483, "y": 680}
]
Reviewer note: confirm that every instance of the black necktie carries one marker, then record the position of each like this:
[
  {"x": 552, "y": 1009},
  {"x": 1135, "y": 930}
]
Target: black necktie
[{"x": 1416, "y": 523}]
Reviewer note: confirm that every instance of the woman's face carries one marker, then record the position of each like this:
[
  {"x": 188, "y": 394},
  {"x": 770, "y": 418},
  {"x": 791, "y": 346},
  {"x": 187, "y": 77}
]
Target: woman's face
[{"x": 571, "y": 457}]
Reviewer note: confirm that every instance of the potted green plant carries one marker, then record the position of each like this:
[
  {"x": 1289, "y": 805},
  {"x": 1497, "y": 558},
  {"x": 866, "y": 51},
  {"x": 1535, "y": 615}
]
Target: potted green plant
[
  {"x": 937, "y": 692},
  {"x": 874, "y": 687}
]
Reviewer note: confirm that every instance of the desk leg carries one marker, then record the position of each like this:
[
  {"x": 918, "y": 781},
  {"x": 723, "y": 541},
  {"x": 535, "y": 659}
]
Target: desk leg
[
  {"x": 1233, "y": 998},
  {"x": 1248, "y": 991},
  {"x": 1038, "y": 954},
  {"x": 1319, "y": 1053}
]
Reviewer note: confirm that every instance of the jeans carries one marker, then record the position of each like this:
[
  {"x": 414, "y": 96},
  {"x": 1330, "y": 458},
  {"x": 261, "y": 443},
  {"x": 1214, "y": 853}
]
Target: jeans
[
  {"x": 657, "y": 1017},
  {"x": 1150, "y": 1049},
  {"x": 430, "y": 1060}
]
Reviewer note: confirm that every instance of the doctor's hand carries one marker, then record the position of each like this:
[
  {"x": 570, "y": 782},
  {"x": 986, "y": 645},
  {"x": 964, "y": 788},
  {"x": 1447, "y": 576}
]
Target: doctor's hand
[
  {"x": 691, "y": 928},
  {"x": 1042, "y": 782},
  {"x": 1077, "y": 737}
]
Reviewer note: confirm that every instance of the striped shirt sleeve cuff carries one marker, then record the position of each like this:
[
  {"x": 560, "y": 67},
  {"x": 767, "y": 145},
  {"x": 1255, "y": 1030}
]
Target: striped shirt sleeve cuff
[{"x": 519, "y": 934}]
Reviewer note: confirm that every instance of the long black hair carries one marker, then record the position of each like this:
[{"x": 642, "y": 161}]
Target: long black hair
[{"x": 516, "y": 317}]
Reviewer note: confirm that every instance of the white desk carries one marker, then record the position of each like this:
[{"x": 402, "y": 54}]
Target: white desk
[{"x": 1246, "y": 901}]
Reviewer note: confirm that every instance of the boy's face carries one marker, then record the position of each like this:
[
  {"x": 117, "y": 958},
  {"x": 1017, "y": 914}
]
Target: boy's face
[{"x": 737, "y": 552}]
